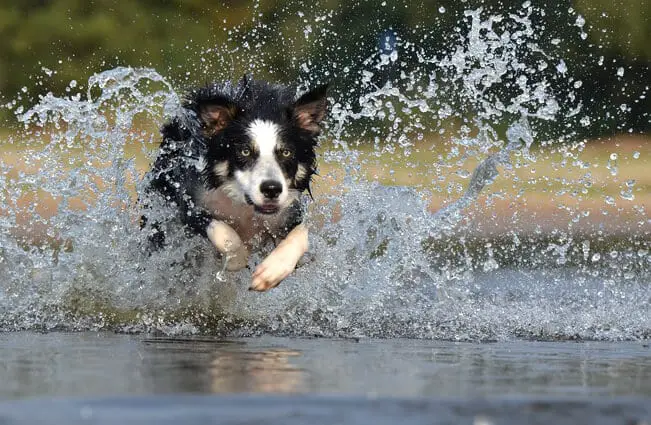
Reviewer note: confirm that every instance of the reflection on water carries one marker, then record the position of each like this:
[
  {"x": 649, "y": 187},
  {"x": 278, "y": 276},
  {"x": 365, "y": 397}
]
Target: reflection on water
[
  {"x": 218, "y": 366},
  {"x": 88, "y": 364},
  {"x": 256, "y": 371}
]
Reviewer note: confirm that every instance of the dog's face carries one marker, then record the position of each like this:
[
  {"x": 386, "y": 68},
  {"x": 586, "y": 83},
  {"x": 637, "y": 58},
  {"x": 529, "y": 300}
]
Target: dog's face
[
  {"x": 261, "y": 143},
  {"x": 265, "y": 167}
]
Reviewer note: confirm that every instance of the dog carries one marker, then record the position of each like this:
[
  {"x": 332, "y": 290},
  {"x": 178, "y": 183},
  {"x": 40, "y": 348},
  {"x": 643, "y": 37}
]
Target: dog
[{"x": 234, "y": 163}]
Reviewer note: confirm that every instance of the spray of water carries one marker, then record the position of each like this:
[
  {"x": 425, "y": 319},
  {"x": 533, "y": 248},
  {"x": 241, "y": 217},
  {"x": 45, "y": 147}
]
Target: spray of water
[{"x": 384, "y": 266}]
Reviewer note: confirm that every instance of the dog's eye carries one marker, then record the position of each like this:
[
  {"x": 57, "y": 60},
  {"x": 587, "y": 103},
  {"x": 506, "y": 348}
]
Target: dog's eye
[
  {"x": 245, "y": 152},
  {"x": 286, "y": 153}
]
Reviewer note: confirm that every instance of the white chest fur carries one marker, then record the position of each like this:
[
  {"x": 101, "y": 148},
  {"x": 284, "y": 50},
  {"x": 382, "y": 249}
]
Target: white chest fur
[{"x": 241, "y": 217}]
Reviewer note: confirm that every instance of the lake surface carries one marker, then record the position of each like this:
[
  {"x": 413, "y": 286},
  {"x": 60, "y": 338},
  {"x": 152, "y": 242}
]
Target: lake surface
[
  {"x": 113, "y": 378},
  {"x": 103, "y": 364}
]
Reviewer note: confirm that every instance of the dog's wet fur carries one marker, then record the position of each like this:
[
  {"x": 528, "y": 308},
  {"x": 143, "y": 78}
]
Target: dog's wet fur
[{"x": 233, "y": 163}]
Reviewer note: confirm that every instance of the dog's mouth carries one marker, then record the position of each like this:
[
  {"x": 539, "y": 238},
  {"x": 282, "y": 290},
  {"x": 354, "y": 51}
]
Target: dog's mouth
[{"x": 266, "y": 208}]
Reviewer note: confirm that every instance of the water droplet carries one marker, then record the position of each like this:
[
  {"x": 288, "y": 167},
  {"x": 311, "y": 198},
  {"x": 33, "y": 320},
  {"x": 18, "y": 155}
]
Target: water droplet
[
  {"x": 612, "y": 164},
  {"x": 636, "y": 155},
  {"x": 490, "y": 265},
  {"x": 578, "y": 84},
  {"x": 620, "y": 71},
  {"x": 627, "y": 194},
  {"x": 610, "y": 200},
  {"x": 561, "y": 67},
  {"x": 441, "y": 9},
  {"x": 596, "y": 257}
]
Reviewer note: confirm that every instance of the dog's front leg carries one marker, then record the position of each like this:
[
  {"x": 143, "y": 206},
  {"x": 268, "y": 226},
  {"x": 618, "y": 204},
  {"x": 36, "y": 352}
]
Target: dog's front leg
[
  {"x": 282, "y": 260},
  {"x": 228, "y": 242}
]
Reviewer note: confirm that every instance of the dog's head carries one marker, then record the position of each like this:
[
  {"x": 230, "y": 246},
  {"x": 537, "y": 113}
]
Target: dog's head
[{"x": 260, "y": 140}]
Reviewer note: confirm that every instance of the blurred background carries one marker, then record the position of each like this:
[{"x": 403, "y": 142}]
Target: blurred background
[
  {"x": 46, "y": 44},
  {"x": 55, "y": 46}
]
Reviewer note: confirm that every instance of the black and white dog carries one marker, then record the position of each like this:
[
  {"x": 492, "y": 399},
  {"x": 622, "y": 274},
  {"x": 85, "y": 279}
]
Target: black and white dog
[{"x": 234, "y": 163}]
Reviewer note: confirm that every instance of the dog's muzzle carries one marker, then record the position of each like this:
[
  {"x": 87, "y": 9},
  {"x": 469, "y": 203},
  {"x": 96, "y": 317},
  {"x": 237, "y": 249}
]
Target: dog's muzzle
[{"x": 266, "y": 208}]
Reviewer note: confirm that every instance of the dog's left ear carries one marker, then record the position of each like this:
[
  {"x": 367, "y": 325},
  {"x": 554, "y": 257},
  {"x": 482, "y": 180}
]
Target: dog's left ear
[{"x": 310, "y": 109}]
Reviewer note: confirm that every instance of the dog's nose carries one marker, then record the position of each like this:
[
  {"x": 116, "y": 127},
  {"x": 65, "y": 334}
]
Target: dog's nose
[{"x": 271, "y": 188}]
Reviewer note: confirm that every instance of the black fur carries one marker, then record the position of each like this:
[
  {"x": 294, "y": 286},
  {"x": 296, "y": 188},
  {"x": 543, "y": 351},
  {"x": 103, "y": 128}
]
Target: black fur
[{"x": 178, "y": 173}]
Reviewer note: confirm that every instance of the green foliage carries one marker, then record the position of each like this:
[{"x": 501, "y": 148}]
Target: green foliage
[
  {"x": 627, "y": 24},
  {"x": 47, "y": 44}
]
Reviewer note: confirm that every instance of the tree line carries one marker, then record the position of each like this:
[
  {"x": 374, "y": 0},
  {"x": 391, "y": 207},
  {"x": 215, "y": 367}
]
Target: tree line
[{"x": 49, "y": 43}]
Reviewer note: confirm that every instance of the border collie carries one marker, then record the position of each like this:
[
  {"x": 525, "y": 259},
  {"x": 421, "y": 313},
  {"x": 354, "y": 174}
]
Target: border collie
[{"x": 233, "y": 163}]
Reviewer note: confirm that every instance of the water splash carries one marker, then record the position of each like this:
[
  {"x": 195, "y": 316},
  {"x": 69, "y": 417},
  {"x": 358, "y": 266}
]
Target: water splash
[{"x": 383, "y": 264}]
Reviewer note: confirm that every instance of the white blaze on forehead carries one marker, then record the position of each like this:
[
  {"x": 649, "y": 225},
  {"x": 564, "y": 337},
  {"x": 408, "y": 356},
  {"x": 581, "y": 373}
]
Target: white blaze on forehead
[{"x": 265, "y": 136}]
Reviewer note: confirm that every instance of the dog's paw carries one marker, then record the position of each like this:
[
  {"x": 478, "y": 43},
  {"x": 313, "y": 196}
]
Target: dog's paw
[
  {"x": 227, "y": 241},
  {"x": 276, "y": 267}
]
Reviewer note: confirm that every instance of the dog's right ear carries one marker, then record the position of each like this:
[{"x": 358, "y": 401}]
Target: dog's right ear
[
  {"x": 311, "y": 108},
  {"x": 216, "y": 115}
]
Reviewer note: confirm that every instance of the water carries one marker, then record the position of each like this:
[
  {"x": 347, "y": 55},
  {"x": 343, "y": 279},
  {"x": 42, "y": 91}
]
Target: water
[
  {"x": 105, "y": 364},
  {"x": 325, "y": 380},
  {"x": 383, "y": 265},
  {"x": 323, "y": 410}
]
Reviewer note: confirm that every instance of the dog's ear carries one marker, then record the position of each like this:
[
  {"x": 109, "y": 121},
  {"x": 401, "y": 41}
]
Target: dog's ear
[
  {"x": 310, "y": 109},
  {"x": 216, "y": 115}
]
